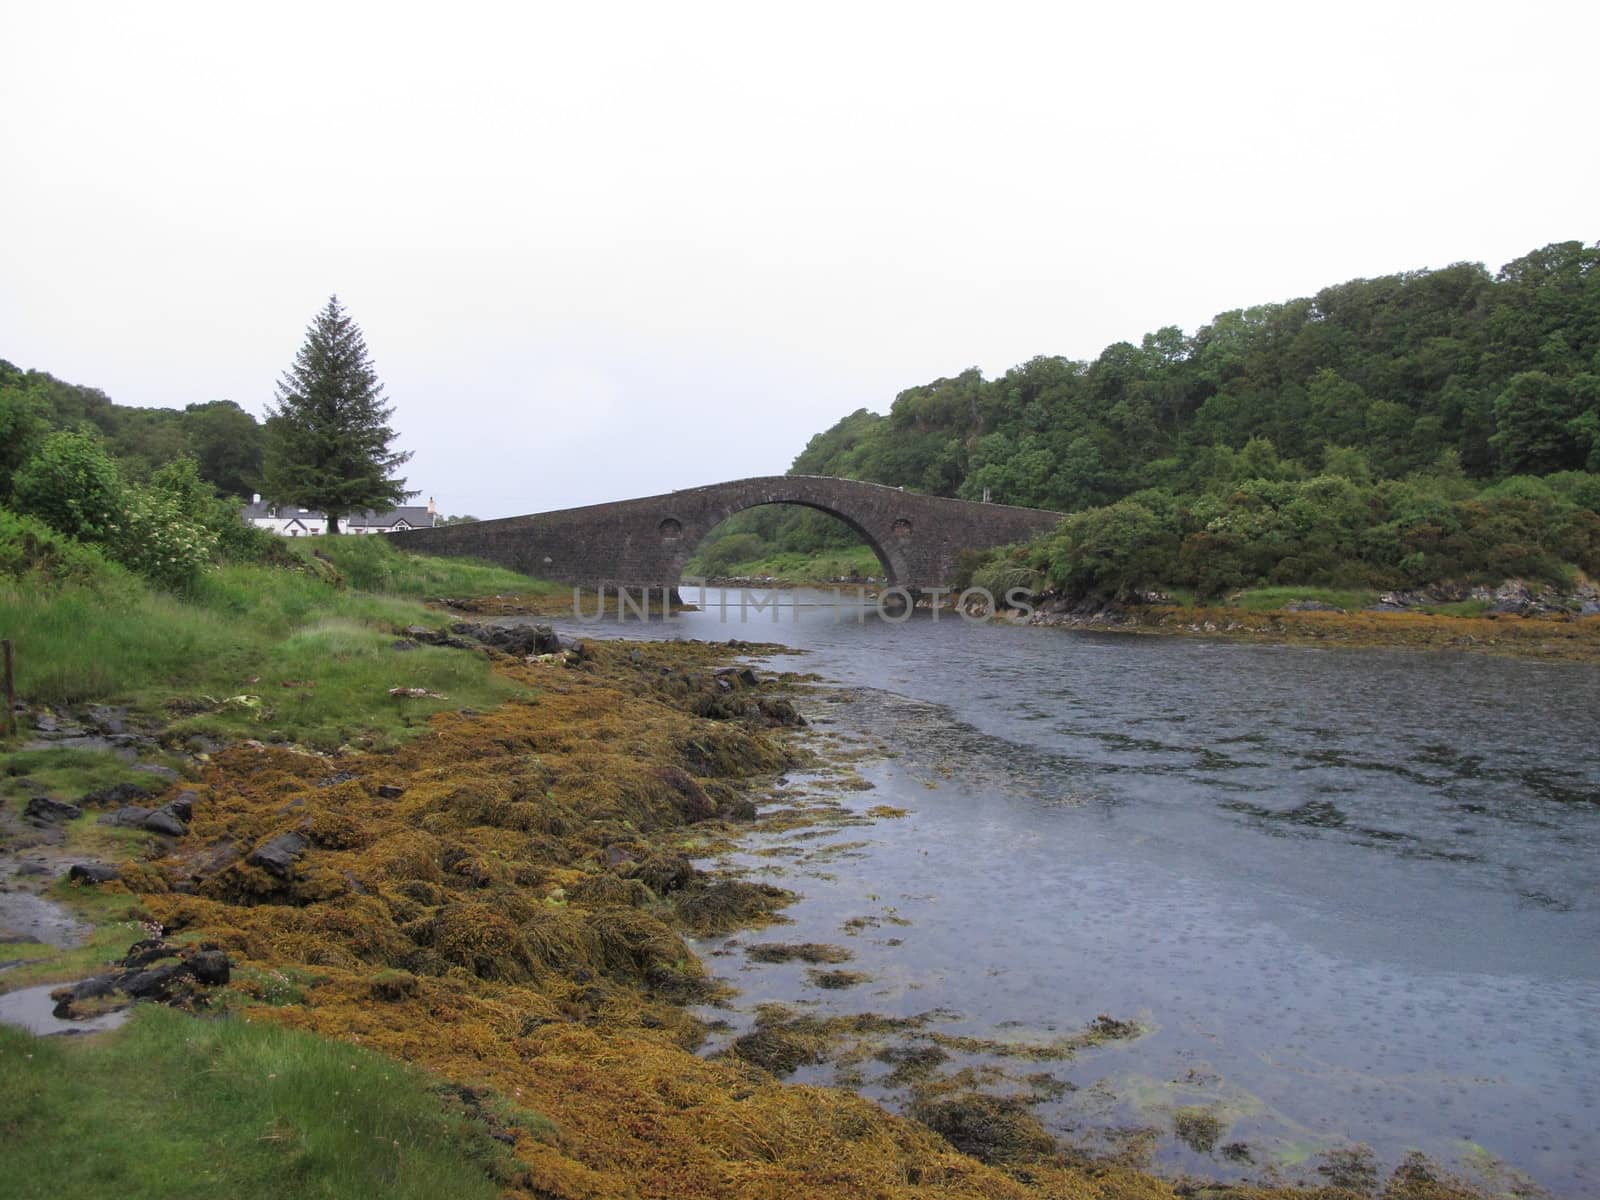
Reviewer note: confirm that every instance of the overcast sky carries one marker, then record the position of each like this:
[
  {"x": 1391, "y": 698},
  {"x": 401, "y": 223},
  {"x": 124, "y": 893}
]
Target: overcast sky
[{"x": 609, "y": 250}]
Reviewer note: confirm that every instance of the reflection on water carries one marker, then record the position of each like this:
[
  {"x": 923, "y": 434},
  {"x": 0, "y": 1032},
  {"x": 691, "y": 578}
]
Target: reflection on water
[{"x": 1349, "y": 893}]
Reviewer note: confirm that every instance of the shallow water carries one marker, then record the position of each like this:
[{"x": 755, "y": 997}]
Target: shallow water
[
  {"x": 1350, "y": 894},
  {"x": 32, "y": 1009}
]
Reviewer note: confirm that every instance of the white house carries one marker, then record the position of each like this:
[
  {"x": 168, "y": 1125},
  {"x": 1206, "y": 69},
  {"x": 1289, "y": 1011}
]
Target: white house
[{"x": 288, "y": 521}]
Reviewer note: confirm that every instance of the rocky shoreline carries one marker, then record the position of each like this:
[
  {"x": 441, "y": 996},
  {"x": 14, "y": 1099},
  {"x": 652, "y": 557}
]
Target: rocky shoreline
[
  {"x": 1516, "y": 619},
  {"x": 505, "y": 902}
]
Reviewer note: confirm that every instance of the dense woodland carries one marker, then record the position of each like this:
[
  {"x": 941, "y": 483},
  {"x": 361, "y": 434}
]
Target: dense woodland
[
  {"x": 224, "y": 440},
  {"x": 1400, "y": 430}
]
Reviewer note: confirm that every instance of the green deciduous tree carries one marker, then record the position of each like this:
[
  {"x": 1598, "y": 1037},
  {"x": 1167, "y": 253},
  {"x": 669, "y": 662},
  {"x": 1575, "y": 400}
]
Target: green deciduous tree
[
  {"x": 71, "y": 484},
  {"x": 1531, "y": 418},
  {"x": 328, "y": 435}
]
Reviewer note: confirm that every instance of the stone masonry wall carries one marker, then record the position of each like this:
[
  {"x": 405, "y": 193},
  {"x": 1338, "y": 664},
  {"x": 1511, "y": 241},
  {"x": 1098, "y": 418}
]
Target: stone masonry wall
[{"x": 645, "y": 542}]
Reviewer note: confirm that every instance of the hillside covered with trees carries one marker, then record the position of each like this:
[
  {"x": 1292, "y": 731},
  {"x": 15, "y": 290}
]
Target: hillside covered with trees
[{"x": 1391, "y": 431}]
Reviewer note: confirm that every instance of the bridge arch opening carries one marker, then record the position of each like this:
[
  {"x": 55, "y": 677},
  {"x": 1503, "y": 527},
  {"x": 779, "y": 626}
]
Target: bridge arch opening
[{"x": 794, "y": 541}]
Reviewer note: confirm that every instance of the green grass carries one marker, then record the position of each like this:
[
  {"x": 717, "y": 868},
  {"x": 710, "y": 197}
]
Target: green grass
[
  {"x": 371, "y": 563},
  {"x": 173, "y": 1107},
  {"x": 231, "y": 644},
  {"x": 66, "y": 774},
  {"x": 1272, "y": 599}
]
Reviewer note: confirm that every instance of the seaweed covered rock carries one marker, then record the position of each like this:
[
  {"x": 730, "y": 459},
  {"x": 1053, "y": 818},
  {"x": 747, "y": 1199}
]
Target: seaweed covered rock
[
  {"x": 993, "y": 1129},
  {"x": 278, "y": 855},
  {"x": 478, "y": 938}
]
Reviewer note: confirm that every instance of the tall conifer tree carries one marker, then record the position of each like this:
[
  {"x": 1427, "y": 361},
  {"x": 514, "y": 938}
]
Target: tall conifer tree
[{"x": 328, "y": 434}]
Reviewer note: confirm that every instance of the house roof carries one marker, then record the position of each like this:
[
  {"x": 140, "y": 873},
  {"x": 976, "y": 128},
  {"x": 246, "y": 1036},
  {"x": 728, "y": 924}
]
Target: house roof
[
  {"x": 415, "y": 515},
  {"x": 411, "y": 514},
  {"x": 260, "y": 510}
]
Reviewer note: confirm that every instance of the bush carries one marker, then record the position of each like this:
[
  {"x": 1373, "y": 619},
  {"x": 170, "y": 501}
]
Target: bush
[
  {"x": 155, "y": 538},
  {"x": 72, "y": 485},
  {"x": 29, "y": 547}
]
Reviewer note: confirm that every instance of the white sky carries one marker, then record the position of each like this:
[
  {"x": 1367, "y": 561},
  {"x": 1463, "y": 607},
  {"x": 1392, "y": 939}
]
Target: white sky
[{"x": 608, "y": 250}]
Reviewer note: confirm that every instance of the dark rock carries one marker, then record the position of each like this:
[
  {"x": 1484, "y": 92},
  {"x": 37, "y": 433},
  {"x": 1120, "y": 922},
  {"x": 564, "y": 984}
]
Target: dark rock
[
  {"x": 44, "y": 721},
  {"x": 154, "y": 983},
  {"x": 1311, "y": 606},
  {"x": 278, "y": 854},
  {"x": 779, "y": 711},
  {"x": 162, "y": 821},
  {"x": 692, "y": 800},
  {"x": 44, "y": 810},
  {"x": 402, "y": 644},
  {"x": 182, "y": 805},
  {"x": 419, "y": 635},
  {"x": 165, "y": 774},
  {"x": 116, "y": 794},
  {"x": 389, "y": 791},
  {"x": 141, "y": 954},
  {"x": 93, "y": 873},
  {"x": 748, "y": 678},
  {"x": 85, "y": 989},
  {"x": 33, "y": 868},
  {"x": 337, "y": 778},
  {"x": 210, "y": 967},
  {"x": 520, "y": 640},
  {"x": 132, "y": 817}
]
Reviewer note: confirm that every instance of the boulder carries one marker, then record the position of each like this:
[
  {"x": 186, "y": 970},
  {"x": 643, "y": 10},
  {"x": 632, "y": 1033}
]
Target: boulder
[
  {"x": 389, "y": 791},
  {"x": 210, "y": 967},
  {"x": 153, "y": 983},
  {"x": 162, "y": 821},
  {"x": 44, "y": 811},
  {"x": 521, "y": 640},
  {"x": 85, "y": 989},
  {"x": 1311, "y": 606},
  {"x": 182, "y": 805},
  {"x": 93, "y": 873},
  {"x": 779, "y": 711},
  {"x": 278, "y": 855}
]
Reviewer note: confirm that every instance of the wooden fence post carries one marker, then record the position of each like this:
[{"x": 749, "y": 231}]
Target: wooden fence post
[{"x": 11, "y": 693}]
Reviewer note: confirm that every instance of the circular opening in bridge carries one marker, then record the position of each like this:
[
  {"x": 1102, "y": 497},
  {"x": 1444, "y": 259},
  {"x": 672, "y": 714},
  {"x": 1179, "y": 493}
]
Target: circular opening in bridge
[
  {"x": 785, "y": 544},
  {"x": 902, "y": 528},
  {"x": 671, "y": 529}
]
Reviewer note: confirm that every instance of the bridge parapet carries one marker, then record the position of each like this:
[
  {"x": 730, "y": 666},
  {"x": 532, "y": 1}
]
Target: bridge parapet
[{"x": 645, "y": 542}]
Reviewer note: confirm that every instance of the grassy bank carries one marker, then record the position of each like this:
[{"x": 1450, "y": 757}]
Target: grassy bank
[
  {"x": 173, "y": 1107},
  {"x": 304, "y": 651}
]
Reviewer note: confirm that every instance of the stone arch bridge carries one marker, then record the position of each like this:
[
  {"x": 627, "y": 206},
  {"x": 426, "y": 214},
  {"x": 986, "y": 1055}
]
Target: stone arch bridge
[{"x": 645, "y": 542}]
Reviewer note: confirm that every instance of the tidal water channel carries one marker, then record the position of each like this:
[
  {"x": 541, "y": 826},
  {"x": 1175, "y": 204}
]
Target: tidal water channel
[{"x": 1349, "y": 896}]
